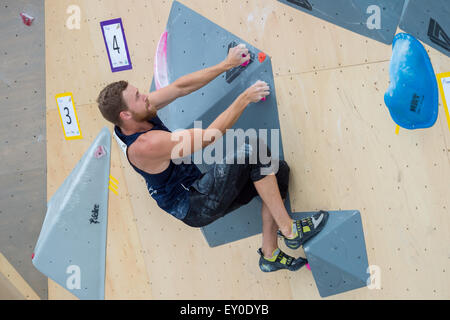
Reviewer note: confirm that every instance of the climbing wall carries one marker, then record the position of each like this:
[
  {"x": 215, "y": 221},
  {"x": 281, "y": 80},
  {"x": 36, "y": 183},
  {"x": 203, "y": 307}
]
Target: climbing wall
[
  {"x": 22, "y": 136},
  {"x": 338, "y": 139}
]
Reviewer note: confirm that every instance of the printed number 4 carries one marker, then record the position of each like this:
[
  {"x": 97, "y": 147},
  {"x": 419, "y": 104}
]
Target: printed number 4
[
  {"x": 68, "y": 115},
  {"x": 115, "y": 45}
]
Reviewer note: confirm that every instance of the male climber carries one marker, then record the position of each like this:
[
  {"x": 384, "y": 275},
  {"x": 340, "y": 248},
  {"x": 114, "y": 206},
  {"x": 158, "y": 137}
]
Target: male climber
[{"x": 181, "y": 189}]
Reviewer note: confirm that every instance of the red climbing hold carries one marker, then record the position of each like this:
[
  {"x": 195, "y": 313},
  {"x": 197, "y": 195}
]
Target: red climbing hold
[
  {"x": 261, "y": 57},
  {"x": 32, "y": 256},
  {"x": 27, "y": 19}
]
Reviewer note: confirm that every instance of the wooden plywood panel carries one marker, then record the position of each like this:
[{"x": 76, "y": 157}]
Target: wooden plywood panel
[
  {"x": 8, "y": 291},
  {"x": 296, "y": 41},
  {"x": 74, "y": 55},
  {"x": 344, "y": 152},
  {"x": 12, "y": 285}
]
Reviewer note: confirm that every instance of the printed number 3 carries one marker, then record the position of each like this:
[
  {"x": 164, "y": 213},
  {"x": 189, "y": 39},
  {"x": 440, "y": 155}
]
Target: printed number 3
[{"x": 68, "y": 115}]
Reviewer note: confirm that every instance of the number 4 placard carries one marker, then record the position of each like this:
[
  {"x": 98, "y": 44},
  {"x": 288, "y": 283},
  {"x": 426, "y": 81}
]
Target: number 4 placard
[
  {"x": 68, "y": 116},
  {"x": 116, "y": 45}
]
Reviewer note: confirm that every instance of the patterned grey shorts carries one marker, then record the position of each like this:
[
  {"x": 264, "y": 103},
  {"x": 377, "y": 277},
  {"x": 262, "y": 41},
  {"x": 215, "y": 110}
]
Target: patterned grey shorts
[{"x": 226, "y": 187}]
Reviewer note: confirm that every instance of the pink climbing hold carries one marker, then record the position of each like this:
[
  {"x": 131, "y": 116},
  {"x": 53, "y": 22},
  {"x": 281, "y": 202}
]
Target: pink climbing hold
[
  {"x": 27, "y": 19},
  {"x": 160, "y": 66},
  {"x": 245, "y": 63},
  {"x": 263, "y": 99},
  {"x": 308, "y": 266},
  {"x": 99, "y": 152}
]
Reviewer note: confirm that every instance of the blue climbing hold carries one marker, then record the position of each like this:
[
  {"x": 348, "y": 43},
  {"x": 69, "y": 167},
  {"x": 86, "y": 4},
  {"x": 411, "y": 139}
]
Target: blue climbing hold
[{"x": 412, "y": 97}]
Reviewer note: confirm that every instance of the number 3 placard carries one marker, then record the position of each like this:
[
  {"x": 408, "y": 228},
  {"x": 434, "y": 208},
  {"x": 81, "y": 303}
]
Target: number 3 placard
[
  {"x": 68, "y": 116},
  {"x": 444, "y": 87},
  {"x": 116, "y": 45}
]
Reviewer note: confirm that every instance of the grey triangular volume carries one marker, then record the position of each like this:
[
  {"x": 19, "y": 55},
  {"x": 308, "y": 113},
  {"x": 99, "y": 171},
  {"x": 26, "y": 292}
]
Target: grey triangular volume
[
  {"x": 331, "y": 280},
  {"x": 337, "y": 255},
  {"x": 428, "y": 21},
  {"x": 71, "y": 248},
  {"x": 377, "y": 20}
]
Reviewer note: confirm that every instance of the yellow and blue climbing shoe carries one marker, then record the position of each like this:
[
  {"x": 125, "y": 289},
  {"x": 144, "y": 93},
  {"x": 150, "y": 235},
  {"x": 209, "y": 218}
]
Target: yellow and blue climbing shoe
[
  {"x": 279, "y": 261},
  {"x": 305, "y": 229}
]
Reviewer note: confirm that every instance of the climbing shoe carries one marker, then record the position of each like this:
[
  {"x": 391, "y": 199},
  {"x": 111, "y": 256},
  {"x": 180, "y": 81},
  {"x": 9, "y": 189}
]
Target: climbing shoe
[
  {"x": 305, "y": 229},
  {"x": 280, "y": 261}
]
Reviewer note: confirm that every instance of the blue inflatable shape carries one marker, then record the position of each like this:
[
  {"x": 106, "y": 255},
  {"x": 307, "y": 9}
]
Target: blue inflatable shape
[{"x": 412, "y": 97}]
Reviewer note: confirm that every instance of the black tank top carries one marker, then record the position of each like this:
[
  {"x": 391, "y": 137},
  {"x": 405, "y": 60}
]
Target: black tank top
[{"x": 169, "y": 188}]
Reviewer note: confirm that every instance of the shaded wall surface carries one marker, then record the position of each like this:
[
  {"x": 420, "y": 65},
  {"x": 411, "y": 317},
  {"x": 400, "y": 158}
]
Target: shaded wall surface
[{"x": 22, "y": 136}]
